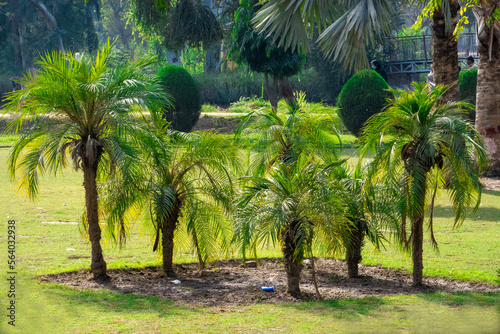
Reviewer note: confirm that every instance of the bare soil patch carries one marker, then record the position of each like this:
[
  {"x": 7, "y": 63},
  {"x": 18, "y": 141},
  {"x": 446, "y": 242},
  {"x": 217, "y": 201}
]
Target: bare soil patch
[{"x": 227, "y": 283}]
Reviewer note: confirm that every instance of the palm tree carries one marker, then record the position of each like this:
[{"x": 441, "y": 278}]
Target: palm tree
[
  {"x": 282, "y": 137},
  {"x": 295, "y": 206},
  {"x": 352, "y": 25},
  {"x": 183, "y": 186},
  {"x": 487, "y": 100},
  {"x": 421, "y": 145},
  {"x": 88, "y": 103},
  {"x": 369, "y": 208}
]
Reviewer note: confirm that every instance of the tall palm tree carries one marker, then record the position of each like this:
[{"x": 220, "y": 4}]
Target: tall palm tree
[
  {"x": 183, "y": 186},
  {"x": 445, "y": 46},
  {"x": 88, "y": 103},
  {"x": 421, "y": 145},
  {"x": 294, "y": 206},
  {"x": 488, "y": 78}
]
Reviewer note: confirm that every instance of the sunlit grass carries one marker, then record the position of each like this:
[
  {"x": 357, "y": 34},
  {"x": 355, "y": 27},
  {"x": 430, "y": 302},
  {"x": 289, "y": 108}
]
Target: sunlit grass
[{"x": 49, "y": 241}]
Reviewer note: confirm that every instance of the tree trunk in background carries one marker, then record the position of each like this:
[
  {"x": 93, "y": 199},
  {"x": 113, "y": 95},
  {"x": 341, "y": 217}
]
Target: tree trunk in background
[
  {"x": 271, "y": 92},
  {"x": 488, "y": 82},
  {"x": 97, "y": 265},
  {"x": 445, "y": 52},
  {"x": 174, "y": 57},
  {"x": 23, "y": 47},
  {"x": 212, "y": 59},
  {"x": 212, "y": 56},
  {"x": 51, "y": 21}
]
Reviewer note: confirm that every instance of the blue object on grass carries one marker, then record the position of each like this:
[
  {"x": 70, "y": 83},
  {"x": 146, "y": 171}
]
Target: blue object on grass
[{"x": 267, "y": 288}]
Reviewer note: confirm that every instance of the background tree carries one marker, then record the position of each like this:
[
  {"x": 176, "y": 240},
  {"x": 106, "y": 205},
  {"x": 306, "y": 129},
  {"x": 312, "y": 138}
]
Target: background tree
[
  {"x": 421, "y": 145},
  {"x": 262, "y": 55},
  {"x": 91, "y": 123},
  {"x": 487, "y": 15},
  {"x": 178, "y": 24}
]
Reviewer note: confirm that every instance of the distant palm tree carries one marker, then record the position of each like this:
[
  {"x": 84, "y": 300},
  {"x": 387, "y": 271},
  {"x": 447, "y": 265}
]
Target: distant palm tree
[
  {"x": 91, "y": 122},
  {"x": 181, "y": 185},
  {"x": 294, "y": 206},
  {"x": 421, "y": 145},
  {"x": 282, "y": 137}
]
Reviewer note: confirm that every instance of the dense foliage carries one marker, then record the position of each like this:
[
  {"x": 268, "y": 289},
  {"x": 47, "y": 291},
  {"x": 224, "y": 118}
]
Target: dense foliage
[
  {"x": 178, "y": 23},
  {"x": 257, "y": 50},
  {"x": 186, "y": 95},
  {"x": 468, "y": 86},
  {"x": 362, "y": 96}
]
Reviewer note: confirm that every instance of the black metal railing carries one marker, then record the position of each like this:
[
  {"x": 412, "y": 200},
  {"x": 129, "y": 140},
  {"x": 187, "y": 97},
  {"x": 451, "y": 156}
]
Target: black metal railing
[{"x": 419, "y": 48}]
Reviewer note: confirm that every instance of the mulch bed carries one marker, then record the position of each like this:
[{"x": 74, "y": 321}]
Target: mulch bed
[{"x": 228, "y": 283}]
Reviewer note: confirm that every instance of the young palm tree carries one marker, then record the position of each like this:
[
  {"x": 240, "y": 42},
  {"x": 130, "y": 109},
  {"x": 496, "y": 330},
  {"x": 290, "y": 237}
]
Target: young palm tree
[
  {"x": 282, "y": 137},
  {"x": 369, "y": 209},
  {"x": 91, "y": 123},
  {"x": 183, "y": 186},
  {"x": 421, "y": 145},
  {"x": 294, "y": 206}
]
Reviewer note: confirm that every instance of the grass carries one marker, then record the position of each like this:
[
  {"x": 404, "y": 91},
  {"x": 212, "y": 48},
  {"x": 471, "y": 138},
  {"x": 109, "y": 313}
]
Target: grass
[{"x": 47, "y": 243}]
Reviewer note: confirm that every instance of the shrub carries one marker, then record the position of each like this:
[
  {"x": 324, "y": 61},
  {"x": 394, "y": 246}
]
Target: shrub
[
  {"x": 468, "y": 82},
  {"x": 187, "y": 99},
  {"x": 362, "y": 96}
]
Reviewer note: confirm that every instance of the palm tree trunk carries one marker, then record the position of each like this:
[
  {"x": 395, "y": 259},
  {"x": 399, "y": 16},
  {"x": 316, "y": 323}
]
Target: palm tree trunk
[
  {"x": 168, "y": 229},
  {"x": 97, "y": 265},
  {"x": 417, "y": 233},
  {"x": 354, "y": 247},
  {"x": 445, "y": 51},
  {"x": 292, "y": 265},
  {"x": 487, "y": 97}
]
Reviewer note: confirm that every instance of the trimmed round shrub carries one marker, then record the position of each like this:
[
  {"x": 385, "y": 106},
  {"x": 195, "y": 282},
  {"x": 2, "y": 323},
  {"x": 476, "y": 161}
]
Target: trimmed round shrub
[
  {"x": 467, "y": 82},
  {"x": 187, "y": 98},
  {"x": 363, "y": 95}
]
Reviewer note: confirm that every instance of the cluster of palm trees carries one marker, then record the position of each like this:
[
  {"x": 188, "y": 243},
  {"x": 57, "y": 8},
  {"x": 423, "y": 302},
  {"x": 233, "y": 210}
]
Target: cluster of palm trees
[{"x": 295, "y": 192}]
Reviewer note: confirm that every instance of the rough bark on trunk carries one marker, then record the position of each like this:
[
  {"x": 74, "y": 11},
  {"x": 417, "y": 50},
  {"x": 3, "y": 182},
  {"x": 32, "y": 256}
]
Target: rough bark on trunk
[
  {"x": 293, "y": 267},
  {"x": 445, "y": 52},
  {"x": 212, "y": 59},
  {"x": 417, "y": 232},
  {"x": 354, "y": 247},
  {"x": 168, "y": 229},
  {"x": 97, "y": 265},
  {"x": 23, "y": 47},
  {"x": 271, "y": 92},
  {"x": 488, "y": 81}
]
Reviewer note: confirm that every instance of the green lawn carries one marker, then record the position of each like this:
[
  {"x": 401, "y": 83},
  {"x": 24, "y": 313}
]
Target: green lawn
[{"x": 45, "y": 245}]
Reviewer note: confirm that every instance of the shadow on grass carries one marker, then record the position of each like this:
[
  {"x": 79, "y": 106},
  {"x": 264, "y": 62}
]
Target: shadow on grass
[
  {"x": 341, "y": 308},
  {"x": 463, "y": 299},
  {"x": 485, "y": 213},
  {"x": 106, "y": 301}
]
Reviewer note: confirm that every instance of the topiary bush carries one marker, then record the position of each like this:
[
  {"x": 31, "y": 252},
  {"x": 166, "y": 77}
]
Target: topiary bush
[
  {"x": 187, "y": 99},
  {"x": 363, "y": 95},
  {"x": 467, "y": 82}
]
